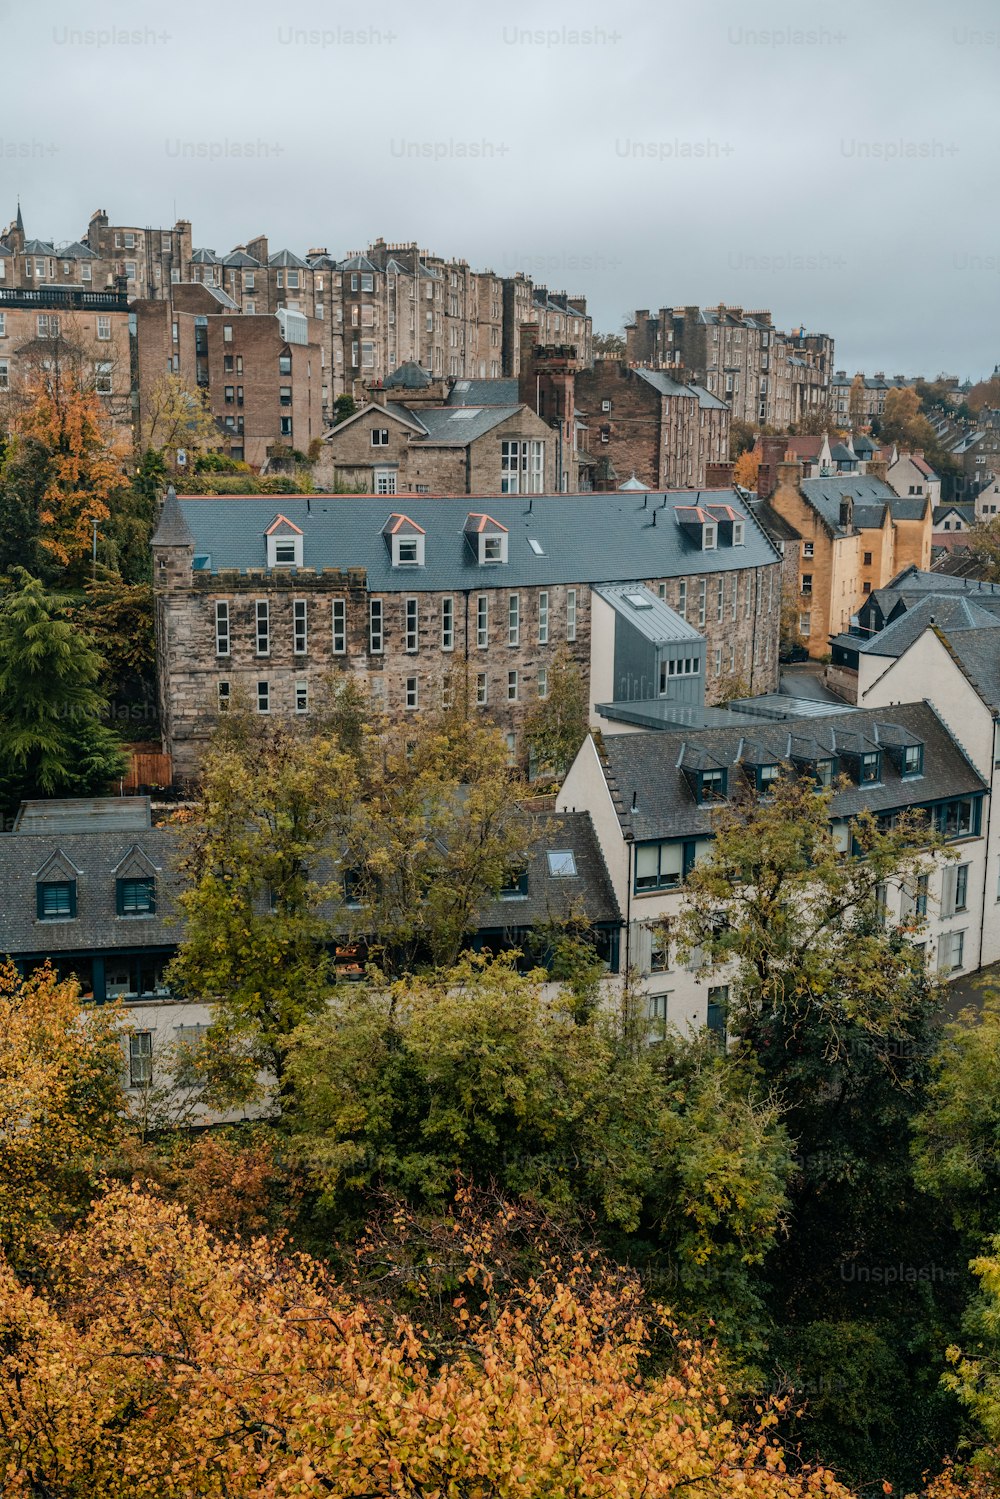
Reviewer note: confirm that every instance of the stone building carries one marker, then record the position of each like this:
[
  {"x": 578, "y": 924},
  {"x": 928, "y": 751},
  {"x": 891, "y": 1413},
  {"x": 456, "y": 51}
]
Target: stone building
[
  {"x": 258, "y": 370},
  {"x": 427, "y": 600},
  {"x": 765, "y": 376},
  {"x": 850, "y": 534},
  {"x": 45, "y": 330},
  {"x": 644, "y": 423},
  {"x": 402, "y": 442}
]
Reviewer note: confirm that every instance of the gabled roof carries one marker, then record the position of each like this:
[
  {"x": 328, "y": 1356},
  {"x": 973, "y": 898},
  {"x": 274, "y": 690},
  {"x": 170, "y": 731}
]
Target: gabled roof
[
  {"x": 240, "y": 258},
  {"x": 457, "y": 426},
  {"x": 391, "y": 409},
  {"x": 401, "y": 525},
  {"x": 289, "y": 258},
  {"x": 282, "y": 523},
  {"x": 646, "y": 768},
  {"x": 825, "y": 495},
  {"x": 75, "y": 251},
  {"x": 477, "y": 522}
]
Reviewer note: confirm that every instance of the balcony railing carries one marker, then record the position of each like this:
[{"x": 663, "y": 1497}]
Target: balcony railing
[{"x": 63, "y": 298}]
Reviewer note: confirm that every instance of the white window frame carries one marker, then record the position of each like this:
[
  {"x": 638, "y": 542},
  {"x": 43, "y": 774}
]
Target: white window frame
[
  {"x": 448, "y": 623},
  {"x": 514, "y": 619},
  {"x": 376, "y": 627},
  {"x": 513, "y": 685},
  {"x": 411, "y": 625},
  {"x": 482, "y": 621},
  {"x": 542, "y": 681},
  {"x": 103, "y": 328},
  {"x": 223, "y": 630},
  {"x": 482, "y": 689},
  {"x": 543, "y": 617},
  {"x": 262, "y": 628},
  {"x": 571, "y": 614},
  {"x": 302, "y": 697},
  {"x": 702, "y": 602},
  {"x": 339, "y": 627},
  {"x": 300, "y": 627}
]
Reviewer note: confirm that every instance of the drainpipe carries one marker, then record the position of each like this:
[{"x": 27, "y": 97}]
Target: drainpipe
[{"x": 630, "y": 845}]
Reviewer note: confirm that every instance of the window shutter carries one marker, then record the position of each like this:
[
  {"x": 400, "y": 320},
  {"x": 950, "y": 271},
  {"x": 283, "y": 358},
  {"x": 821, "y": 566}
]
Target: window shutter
[{"x": 949, "y": 884}]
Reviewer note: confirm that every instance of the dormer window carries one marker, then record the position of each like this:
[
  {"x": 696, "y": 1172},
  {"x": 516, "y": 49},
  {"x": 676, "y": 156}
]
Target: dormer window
[
  {"x": 709, "y": 537},
  {"x": 913, "y": 759},
  {"x": 487, "y": 537},
  {"x": 871, "y": 766},
  {"x": 766, "y": 777},
  {"x": 406, "y": 541},
  {"x": 56, "y": 900},
  {"x": 284, "y": 543},
  {"x": 515, "y": 885},
  {"x": 738, "y": 531},
  {"x": 712, "y": 785}
]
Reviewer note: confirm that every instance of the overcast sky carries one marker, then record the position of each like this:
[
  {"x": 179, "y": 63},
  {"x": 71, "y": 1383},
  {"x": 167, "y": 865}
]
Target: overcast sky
[{"x": 836, "y": 164}]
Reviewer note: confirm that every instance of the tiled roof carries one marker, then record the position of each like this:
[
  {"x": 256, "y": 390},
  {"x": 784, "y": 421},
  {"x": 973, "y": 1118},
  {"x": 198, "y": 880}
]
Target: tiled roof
[
  {"x": 551, "y": 897},
  {"x": 584, "y": 538},
  {"x": 946, "y": 611},
  {"x": 75, "y": 251},
  {"x": 173, "y": 530},
  {"x": 825, "y": 495},
  {"x": 483, "y": 393},
  {"x": 287, "y": 258},
  {"x": 670, "y": 387},
  {"x": 205, "y": 257},
  {"x": 646, "y": 767},
  {"x": 240, "y": 258},
  {"x": 457, "y": 426},
  {"x": 978, "y": 653},
  {"x": 38, "y": 247}
]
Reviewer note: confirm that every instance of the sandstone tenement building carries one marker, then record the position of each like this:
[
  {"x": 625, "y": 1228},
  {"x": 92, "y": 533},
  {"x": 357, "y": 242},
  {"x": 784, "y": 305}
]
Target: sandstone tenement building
[{"x": 427, "y": 600}]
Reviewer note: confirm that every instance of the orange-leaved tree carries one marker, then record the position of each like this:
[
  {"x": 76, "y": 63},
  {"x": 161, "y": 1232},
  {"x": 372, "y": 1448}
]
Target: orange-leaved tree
[
  {"x": 60, "y": 1102},
  {"x": 86, "y": 469},
  {"x": 159, "y": 1361}
]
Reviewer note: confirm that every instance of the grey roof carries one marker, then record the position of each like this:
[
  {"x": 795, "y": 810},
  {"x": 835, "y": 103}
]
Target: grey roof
[
  {"x": 409, "y": 376},
  {"x": 913, "y": 580},
  {"x": 287, "y": 257},
  {"x": 946, "y": 611},
  {"x": 92, "y": 858},
  {"x": 240, "y": 258},
  {"x": 457, "y": 426},
  {"x": 483, "y": 393},
  {"x": 173, "y": 530},
  {"x": 978, "y": 653},
  {"x": 776, "y": 526},
  {"x": 647, "y": 613},
  {"x": 585, "y": 538},
  {"x": 647, "y": 767},
  {"x": 555, "y": 897},
  {"x": 870, "y": 517},
  {"x": 204, "y": 257},
  {"x": 220, "y": 296},
  {"x": 322, "y": 262},
  {"x": 75, "y": 251},
  {"x": 38, "y": 247},
  {"x": 966, "y": 512},
  {"x": 358, "y": 263},
  {"x": 84, "y": 814},
  {"x": 825, "y": 495},
  {"x": 670, "y": 387}
]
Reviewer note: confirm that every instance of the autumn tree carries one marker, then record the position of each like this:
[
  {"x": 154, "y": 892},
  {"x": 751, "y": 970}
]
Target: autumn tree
[
  {"x": 856, "y": 404},
  {"x": 745, "y": 470},
  {"x": 257, "y": 891},
  {"x": 268, "y": 1378},
  {"x": 173, "y": 416},
  {"x": 903, "y": 421},
  {"x": 480, "y": 1071},
  {"x": 60, "y": 1102},
  {"x": 556, "y": 725},
  {"x": 85, "y": 472},
  {"x": 52, "y": 738}
]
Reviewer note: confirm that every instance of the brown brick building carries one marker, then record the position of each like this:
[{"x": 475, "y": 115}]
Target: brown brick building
[
  {"x": 427, "y": 599},
  {"x": 258, "y": 370}
]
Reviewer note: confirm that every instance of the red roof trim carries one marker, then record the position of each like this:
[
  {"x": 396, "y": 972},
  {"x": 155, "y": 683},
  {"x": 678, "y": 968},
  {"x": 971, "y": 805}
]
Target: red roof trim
[{"x": 282, "y": 520}]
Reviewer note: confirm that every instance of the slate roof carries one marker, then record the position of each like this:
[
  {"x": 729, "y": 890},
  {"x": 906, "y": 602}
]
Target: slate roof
[
  {"x": 825, "y": 495},
  {"x": 448, "y": 426},
  {"x": 75, "y": 251},
  {"x": 966, "y": 512},
  {"x": 978, "y": 654},
  {"x": 585, "y": 538},
  {"x": 409, "y": 376},
  {"x": 947, "y": 612},
  {"x": 908, "y": 507},
  {"x": 205, "y": 257},
  {"x": 38, "y": 247},
  {"x": 483, "y": 393},
  {"x": 669, "y": 387},
  {"x": 240, "y": 258},
  {"x": 774, "y": 524},
  {"x": 554, "y": 897},
  {"x": 95, "y": 857},
  {"x": 173, "y": 530},
  {"x": 913, "y": 580},
  {"x": 648, "y": 767},
  {"x": 358, "y": 263},
  {"x": 287, "y": 257}
]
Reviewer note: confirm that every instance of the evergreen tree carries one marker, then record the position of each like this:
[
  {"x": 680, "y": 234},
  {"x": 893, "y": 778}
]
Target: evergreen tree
[{"x": 52, "y": 739}]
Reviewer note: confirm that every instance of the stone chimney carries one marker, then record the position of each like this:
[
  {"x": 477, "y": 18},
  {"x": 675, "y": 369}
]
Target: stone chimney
[
  {"x": 772, "y": 457},
  {"x": 877, "y": 468}
]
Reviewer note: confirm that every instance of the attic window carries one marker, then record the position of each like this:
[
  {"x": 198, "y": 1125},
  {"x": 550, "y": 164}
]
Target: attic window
[
  {"x": 284, "y": 552},
  {"x": 709, "y": 536},
  {"x": 738, "y": 531},
  {"x": 712, "y": 785},
  {"x": 638, "y": 600},
  {"x": 870, "y": 767},
  {"x": 562, "y": 863},
  {"x": 465, "y": 414},
  {"x": 536, "y": 547},
  {"x": 913, "y": 759},
  {"x": 515, "y": 885}
]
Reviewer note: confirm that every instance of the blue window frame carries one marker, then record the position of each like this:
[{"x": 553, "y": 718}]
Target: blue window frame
[
  {"x": 515, "y": 885},
  {"x": 136, "y": 897},
  {"x": 56, "y": 900}
]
